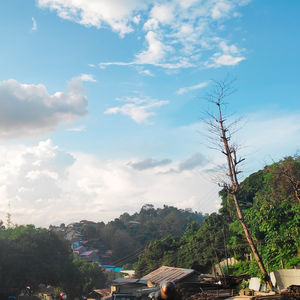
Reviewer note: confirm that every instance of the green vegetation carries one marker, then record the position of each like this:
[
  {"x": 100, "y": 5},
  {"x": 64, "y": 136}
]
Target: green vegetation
[
  {"x": 127, "y": 235},
  {"x": 31, "y": 256},
  {"x": 270, "y": 201}
]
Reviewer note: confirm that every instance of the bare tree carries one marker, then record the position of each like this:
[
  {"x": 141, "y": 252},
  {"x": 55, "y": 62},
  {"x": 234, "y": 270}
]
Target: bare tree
[{"x": 221, "y": 130}]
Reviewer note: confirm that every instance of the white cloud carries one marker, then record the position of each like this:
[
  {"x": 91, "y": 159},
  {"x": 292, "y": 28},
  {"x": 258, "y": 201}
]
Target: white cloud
[
  {"x": 42, "y": 190},
  {"x": 228, "y": 49},
  {"x": 156, "y": 51},
  {"x": 230, "y": 56},
  {"x": 183, "y": 63},
  {"x": 178, "y": 34},
  {"x": 146, "y": 72},
  {"x": 219, "y": 60},
  {"x": 184, "y": 90},
  {"x": 163, "y": 13},
  {"x": 118, "y": 14},
  {"x": 34, "y": 24},
  {"x": 221, "y": 9},
  {"x": 137, "y": 19},
  {"x": 87, "y": 77},
  {"x": 138, "y": 109},
  {"x": 28, "y": 110}
]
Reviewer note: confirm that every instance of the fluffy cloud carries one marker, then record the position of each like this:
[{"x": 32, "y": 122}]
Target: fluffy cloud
[
  {"x": 221, "y": 9},
  {"x": 87, "y": 77},
  {"x": 156, "y": 51},
  {"x": 178, "y": 33},
  {"x": 29, "y": 110},
  {"x": 220, "y": 60},
  {"x": 138, "y": 109},
  {"x": 46, "y": 185},
  {"x": 118, "y": 14},
  {"x": 230, "y": 56}
]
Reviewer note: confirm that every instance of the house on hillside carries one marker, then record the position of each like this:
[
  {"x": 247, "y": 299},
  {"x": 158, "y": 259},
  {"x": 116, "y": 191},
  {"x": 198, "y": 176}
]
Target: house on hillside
[
  {"x": 79, "y": 250},
  {"x": 106, "y": 257},
  {"x": 76, "y": 243},
  {"x": 90, "y": 256},
  {"x": 72, "y": 234}
]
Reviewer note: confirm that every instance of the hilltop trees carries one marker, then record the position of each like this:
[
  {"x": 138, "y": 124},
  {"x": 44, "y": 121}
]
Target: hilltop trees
[{"x": 275, "y": 214}]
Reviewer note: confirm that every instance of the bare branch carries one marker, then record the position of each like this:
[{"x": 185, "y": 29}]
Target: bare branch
[{"x": 221, "y": 133}]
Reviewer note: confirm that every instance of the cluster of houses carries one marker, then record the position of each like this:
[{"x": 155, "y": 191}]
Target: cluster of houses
[{"x": 82, "y": 247}]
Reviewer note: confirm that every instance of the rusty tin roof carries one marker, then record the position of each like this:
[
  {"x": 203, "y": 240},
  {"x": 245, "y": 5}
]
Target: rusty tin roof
[{"x": 165, "y": 273}]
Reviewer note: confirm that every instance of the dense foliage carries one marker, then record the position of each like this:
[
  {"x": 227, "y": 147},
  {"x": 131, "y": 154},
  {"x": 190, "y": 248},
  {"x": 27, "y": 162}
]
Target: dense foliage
[
  {"x": 270, "y": 201},
  {"x": 127, "y": 235},
  {"x": 31, "y": 256}
]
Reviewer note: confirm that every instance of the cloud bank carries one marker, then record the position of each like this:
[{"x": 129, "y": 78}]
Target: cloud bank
[
  {"x": 45, "y": 185},
  {"x": 28, "y": 110}
]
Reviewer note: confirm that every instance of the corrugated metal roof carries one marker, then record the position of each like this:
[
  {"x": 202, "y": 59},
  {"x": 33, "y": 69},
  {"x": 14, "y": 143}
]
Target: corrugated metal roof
[
  {"x": 165, "y": 273},
  {"x": 125, "y": 280},
  {"x": 87, "y": 253},
  {"x": 129, "y": 281}
]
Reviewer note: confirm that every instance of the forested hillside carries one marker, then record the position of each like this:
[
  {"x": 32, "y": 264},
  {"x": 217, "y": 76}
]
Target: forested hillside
[
  {"x": 271, "y": 204},
  {"x": 127, "y": 235}
]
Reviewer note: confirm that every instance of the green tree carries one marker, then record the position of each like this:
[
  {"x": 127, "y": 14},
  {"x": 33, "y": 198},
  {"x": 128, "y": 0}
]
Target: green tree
[
  {"x": 30, "y": 256},
  {"x": 89, "y": 276}
]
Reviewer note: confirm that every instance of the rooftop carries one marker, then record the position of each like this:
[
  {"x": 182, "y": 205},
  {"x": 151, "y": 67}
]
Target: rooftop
[{"x": 165, "y": 273}]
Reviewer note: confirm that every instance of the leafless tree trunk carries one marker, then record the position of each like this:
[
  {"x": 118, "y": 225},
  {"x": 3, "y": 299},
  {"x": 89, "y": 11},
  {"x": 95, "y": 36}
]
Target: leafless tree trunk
[
  {"x": 294, "y": 181},
  {"x": 221, "y": 135}
]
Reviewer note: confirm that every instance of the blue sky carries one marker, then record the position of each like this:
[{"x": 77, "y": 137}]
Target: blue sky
[{"x": 101, "y": 101}]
